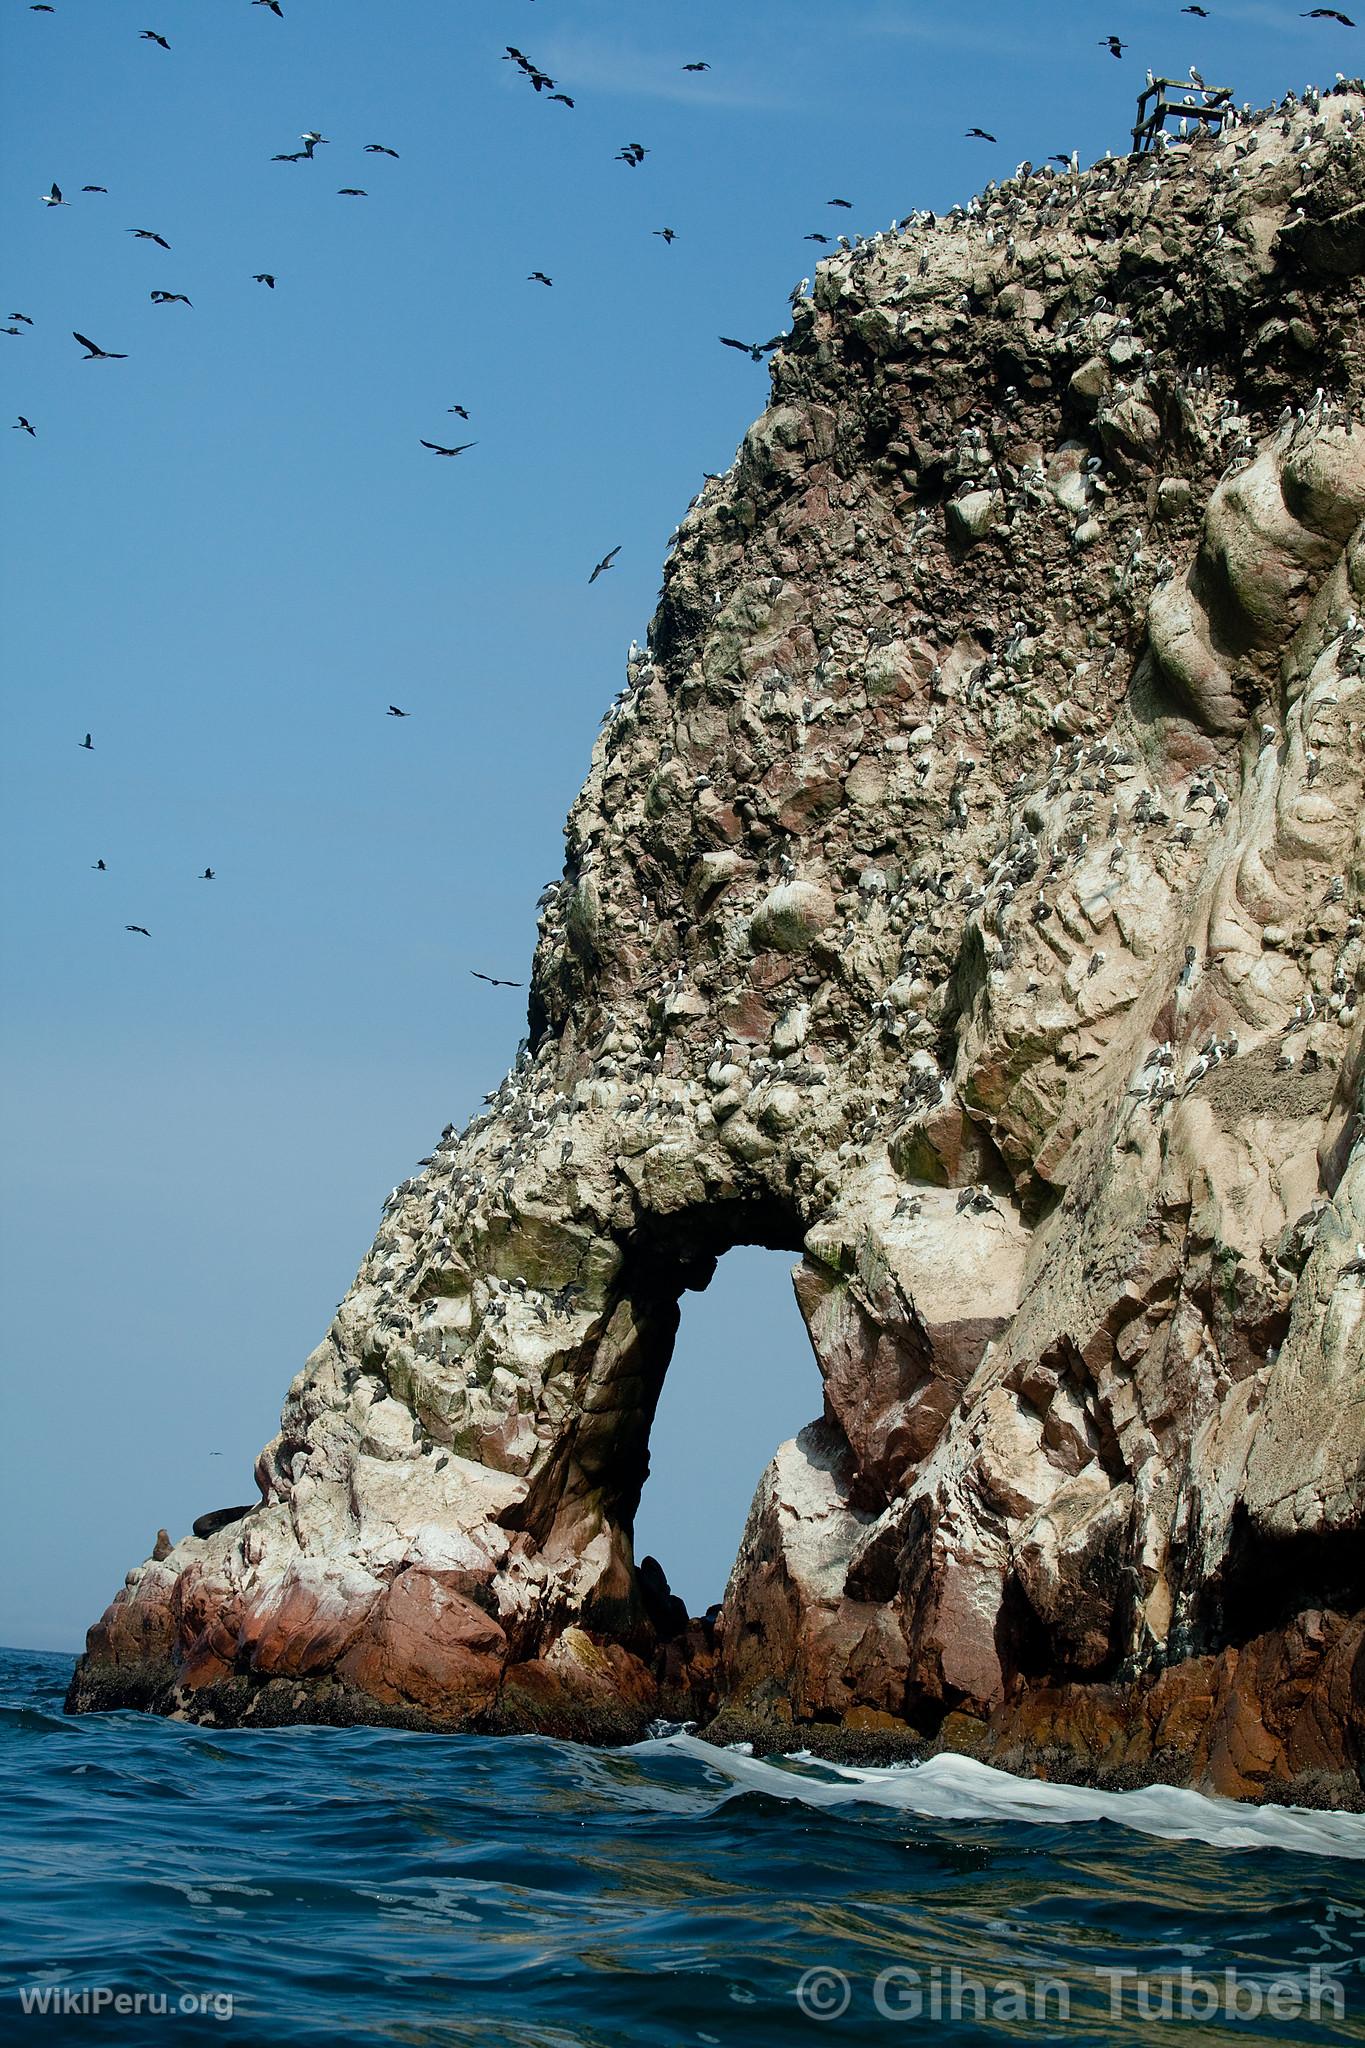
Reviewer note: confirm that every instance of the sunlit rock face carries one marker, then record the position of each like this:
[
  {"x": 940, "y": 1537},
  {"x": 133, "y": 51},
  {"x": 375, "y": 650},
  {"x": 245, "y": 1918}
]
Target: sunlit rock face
[{"x": 965, "y": 895}]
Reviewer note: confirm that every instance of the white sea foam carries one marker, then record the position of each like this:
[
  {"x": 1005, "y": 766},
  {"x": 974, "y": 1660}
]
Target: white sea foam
[{"x": 959, "y": 1788}]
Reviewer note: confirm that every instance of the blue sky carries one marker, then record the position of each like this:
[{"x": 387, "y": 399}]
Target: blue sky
[{"x": 227, "y": 555}]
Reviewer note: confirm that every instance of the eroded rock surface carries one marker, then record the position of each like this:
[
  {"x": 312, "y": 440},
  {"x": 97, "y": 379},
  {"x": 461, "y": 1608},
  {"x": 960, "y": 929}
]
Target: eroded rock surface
[{"x": 966, "y": 895}]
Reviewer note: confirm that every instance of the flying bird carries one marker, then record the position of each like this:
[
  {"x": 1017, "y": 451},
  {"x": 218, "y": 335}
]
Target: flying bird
[
  {"x": 146, "y": 235},
  {"x": 818, "y": 238},
  {"x": 664, "y": 234},
  {"x": 563, "y": 98},
  {"x": 95, "y": 188},
  {"x": 983, "y": 133},
  {"x": 459, "y": 409},
  {"x": 208, "y": 876},
  {"x": 87, "y": 745},
  {"x": 437, "y": 449},
  {"x": 1202, "y": 12},
  {"x": 149, "y": 35},
  {"x": 604, "y": 564},
  {"x": 22, "y": 317},
  {"x": 310, "y": 140},
  {"x": 54, "y": 197},
  {"x": 138, "y": 928},
  {"x": 1327, "y": 14},
  {"x": 1113, "y": 45},
  {"x": 696, "y": 67},
  {"x": 538, "y": 277},
  {"x": 394, "y": 712},
  {"x": 379, "y": 149},
  {"x": 169, "y": 299},
  {"x": 265, "y": 277},
  {"x": 351, "y": 192},
  {"x": 96, "y": 353},
  {"x": 291, "y": 156},
  {"x": 273, "y": 5},
  {"x": 41, "y": 7},
  {"x": 494, "y": 980},
  {"x": 632, "y": 153},
  {"x": 846, "y": 203},
  {"x": 11, "y": 330},
  {"x": 99, "y": 868},
  {"x": 22, "y": 424},
  {"x": 756, "y": 349}
]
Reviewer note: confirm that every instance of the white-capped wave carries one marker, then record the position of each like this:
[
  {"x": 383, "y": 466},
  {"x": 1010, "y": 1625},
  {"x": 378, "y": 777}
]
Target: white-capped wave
[{"x": 960, "y": 1788}]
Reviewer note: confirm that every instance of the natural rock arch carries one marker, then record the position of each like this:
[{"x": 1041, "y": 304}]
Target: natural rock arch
[{"x": 966, "y": 894}]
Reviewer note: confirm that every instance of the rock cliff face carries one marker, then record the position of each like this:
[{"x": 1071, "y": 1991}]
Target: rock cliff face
[{"x": 966, "y": 895}]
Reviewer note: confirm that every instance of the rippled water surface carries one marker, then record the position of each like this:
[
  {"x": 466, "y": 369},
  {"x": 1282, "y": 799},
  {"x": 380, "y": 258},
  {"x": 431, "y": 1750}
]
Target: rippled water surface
[{"x": 360, "y": 1886}]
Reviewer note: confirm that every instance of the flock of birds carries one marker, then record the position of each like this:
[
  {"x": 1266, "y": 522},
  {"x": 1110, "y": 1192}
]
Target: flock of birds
[{"x": 632, "y": 154}]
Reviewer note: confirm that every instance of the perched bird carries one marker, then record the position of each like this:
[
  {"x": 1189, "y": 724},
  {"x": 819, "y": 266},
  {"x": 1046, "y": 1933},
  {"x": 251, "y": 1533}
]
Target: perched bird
[
  {"x": 21, "y": 422},
  {"x": 538, "y": 277},
  {"x": 54, "y": 197},
  {"x": 437, "y": 449},
  {"x": 379, "y": 149},
  {"x": 138, "y": 928},
  {"x": 756, "y": 349},
  {"x": 983, "y": 133},
  {"x": 495, "y": 980},
  {"x": 351, "y": 192},
  {"x": 459, "y": 409},
  {"x": 696, "y": 67},
  {"x": 664, "y": 234},
  {"x": 149, "y": 35},
  {"x": 169, "y": 299},
  {"x": 96, "y": 353},
  {"x": 394, "y": 712},
  {"x": 265, "y": 277},
  {"x": 208, "y": 876},
  {"x": 605, "y": 563},
  {"x": 99, "y": 868},
  {"x": 87, "y": 745},
  {"x": 146, "y": 235},
  {"x": 848, "y": 203},
  {"x": 1327, "y": 14},
  {"x": 1113, "y": 45}
]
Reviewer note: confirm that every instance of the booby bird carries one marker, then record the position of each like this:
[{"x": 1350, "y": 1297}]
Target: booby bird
[
  {"x": 1113, "y": 45},
  {"x": 208, "y": 876},
  {"x": 380, "y": 149},
  {"x": 696, "y": 67},
  {"x": 756, "y": 349},
  {"x": 148, "y": 235},
  {"x": 394, "y": 712},
  {"x": 538, "y": 277},
  {"x": 150, "y": 35},
  {"x": 983, "y": 133},
  {"x": 495, "y": 980},
  {"x": 98, "y": 868},
  {"x": 265, "y": 277},
  {"x": 169, "y": 299},
  {"x": 23, "y": 423},
  {"x": 1327, "y": 14},
  {"x": 96, "y": 353},
  {"x": 138, "y": 928},
  {"x": 437, "y": 449},
  {"x": 54, "y": 197},
  {"x": 664, "y": 234},
  {"x": 604, "y": 564},
  {"x": 87, "y": 745}
]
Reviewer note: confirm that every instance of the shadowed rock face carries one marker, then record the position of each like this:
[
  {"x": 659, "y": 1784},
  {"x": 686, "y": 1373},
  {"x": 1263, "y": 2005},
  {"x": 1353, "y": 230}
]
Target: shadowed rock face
[{"x": 965, "y": 895}]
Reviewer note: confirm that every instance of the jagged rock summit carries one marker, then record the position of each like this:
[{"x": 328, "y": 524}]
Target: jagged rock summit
[{"x": 965, "y": 895}]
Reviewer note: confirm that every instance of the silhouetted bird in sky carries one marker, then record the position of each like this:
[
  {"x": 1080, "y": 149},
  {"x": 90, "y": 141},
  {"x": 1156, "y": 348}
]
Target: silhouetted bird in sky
[
  {"x": 984, "y": 134},
  {"x": 1327, "y": 14},
  {"x": 494, "y": 980},
  {"x": 54, "y": 197},
  {"x": 21, "y": 422},
  {"x": 379, "y": 149},
  {"x": 539, "y": 277},
  {"x": 459, "y": 409},
  {"x": 87, "y": 745},
  {"x": 846, "y": 203},
  {"x": 275, "y": 8},
  {"x": 99, "y": 868},
  {"x": 563, "y": 98},
  {"x": 604, "y": 564},
  {"x": 756, "y": 349},
  {"x": 394, "y": 712},
  {"x": 437, "y": 449},
  {"x": 664, "y": 234},
  {"x": 208, "y": 876},
  {"x": 138, "y": 928},
  {"x": 291, "y": 156},
  {"x": 95, "y": 188},
  {"x": 40, "y": 7},
  {"x": 169, "y": 299},
  {"x": 818, "y": 238},
  {"x": 146, "y": 235},
  {"x": 311, "y": 138},
  {"x": 696, "y": 67},
  {"x": 351, "y": 192},
  {"x": 96, "y": 353},
  {"x": 23, "y": 317},
  {"x": 149, "y": 35},
  {"x": 632, "y": 153},
  {"x": 1113, "y": 45},
  {"x": 1202, "y": 12},
  {"x": 265, "y": 277}
]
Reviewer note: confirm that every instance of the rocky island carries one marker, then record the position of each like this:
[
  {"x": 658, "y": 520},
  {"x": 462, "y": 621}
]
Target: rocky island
[{"x": 966, "y": 896}]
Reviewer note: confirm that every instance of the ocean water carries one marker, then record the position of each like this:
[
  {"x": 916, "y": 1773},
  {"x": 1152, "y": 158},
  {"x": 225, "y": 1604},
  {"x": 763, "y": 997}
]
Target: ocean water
[{"x": 320, "y": 1886}]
